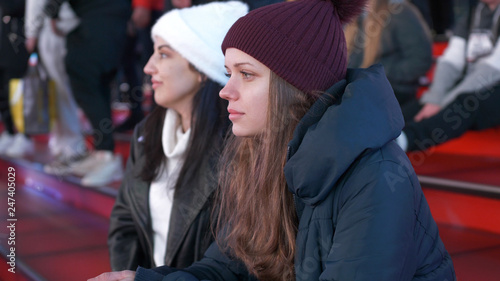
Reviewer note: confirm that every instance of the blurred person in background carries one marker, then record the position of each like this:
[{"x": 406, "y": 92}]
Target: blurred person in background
[
  {"x": 442, "y": 15},
  {"x": 438, "y": 15},
  {"x": 94, "y": 50},
  {"x": 66, "y": 142},
  {"x": 381, "y": 35},
  {"x": 13, "y": 64},
  {"x": 138, "y": 49},
  {"x": 465, "y": 92}
]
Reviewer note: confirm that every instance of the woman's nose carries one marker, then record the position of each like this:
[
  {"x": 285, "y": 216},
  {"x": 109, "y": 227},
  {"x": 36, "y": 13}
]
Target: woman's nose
[
  {"x": 228, "y": 92},
  {"x": 149, "y": 68}
]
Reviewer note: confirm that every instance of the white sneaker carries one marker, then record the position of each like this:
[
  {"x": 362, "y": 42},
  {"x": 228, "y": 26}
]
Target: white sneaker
[
  {"x": 54, "y": 147},
  {"x": 63, "y": 163},
  {"x": 62, "y": 146},
  {"x": 6, "y": 140},
  {"x": 108, "y": 169},
  {"x": 88, "y": 163},
  {"x": 21, "y": 146}
]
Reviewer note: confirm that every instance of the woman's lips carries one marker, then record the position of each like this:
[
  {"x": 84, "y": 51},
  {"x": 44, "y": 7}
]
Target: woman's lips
[
  {"x": 234, "y": 114},
  {"x": 155, "y": 84}
]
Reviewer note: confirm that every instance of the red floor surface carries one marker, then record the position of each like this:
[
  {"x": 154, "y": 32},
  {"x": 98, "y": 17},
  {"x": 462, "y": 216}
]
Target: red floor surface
[
  {"x": 475, "y": 254},
  {"x": 467, "y": 168},
  {"x": 55, "y": 241},
  {"x": 470, "y": 229}
]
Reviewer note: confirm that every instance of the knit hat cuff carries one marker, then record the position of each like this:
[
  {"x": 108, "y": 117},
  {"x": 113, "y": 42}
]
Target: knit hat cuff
[
  {"x": 269, "y": 46},
  {"x": 174, "y": 30}
]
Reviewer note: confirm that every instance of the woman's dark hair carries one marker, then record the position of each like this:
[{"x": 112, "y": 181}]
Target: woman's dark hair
[{"x": 209, "y": 124}]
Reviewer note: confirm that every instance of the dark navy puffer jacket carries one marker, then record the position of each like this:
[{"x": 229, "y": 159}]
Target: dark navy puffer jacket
[{"x": 363, "y": 215}]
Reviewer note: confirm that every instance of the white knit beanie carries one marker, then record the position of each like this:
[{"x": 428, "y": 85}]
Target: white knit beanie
[{"x": 197, "y": 33}]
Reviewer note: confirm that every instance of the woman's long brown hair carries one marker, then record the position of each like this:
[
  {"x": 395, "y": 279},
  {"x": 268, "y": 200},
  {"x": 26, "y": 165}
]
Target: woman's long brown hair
[
  {"x": 373, "y": 25},
  {"x": 257, "y": 214}
]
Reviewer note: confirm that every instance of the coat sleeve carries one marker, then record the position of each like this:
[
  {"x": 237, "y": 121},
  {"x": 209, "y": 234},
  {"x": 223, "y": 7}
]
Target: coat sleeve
[
  {"x": 373, "y": 238},
  {"x": 123, "y": 241},
  {"x": 34, "y": 18},
  {"x": 449, "y": 70},
  {"x": 214, "y": 266},
  {"x": 485, "y": 76}
]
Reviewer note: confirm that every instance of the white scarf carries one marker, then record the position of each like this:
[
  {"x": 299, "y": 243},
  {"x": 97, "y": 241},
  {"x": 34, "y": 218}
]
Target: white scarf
[{"x": 161, "y": 193}]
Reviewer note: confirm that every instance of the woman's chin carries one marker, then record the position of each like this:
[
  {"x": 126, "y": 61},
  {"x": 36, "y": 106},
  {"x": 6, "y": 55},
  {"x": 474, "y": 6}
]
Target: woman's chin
[
  {"x": 239, "y": 131},
  {"x": 243, "y": 132}
]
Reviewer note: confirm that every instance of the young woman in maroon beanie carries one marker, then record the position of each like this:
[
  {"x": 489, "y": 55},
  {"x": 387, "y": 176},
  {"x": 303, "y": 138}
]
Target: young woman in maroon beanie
[{"x": 313, "y": 186}]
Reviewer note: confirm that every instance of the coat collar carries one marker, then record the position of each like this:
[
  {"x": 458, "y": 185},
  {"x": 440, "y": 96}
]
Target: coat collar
[{"x": 355, "y": 115}]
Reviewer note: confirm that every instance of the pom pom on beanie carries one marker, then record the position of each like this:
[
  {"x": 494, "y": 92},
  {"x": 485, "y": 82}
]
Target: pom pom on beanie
[{"x": 347, "y": 10}]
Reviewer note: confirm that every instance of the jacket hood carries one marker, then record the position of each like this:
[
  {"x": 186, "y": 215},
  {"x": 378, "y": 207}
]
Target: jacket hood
[{"x": 355, "y": 115}]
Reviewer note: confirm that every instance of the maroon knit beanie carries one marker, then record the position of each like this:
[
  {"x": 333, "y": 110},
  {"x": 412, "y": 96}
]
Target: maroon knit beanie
[{"x": 301, "y": 41}]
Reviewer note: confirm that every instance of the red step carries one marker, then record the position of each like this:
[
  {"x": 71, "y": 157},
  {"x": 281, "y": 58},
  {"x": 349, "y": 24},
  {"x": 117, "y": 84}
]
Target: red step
[
  {"x": 469, "y": 226},
  {"x": 53, "y": 241}
]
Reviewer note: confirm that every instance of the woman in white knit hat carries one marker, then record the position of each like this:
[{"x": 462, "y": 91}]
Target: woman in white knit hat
[{"x": 162, "y": 212}]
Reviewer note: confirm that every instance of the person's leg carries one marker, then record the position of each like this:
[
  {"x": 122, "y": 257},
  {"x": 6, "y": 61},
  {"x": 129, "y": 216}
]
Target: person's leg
[
  {"x": 12, "y": 144},
  {"x": 66, "y": 136},
  {"x": 475, "y": 111},
  {"x": 4, "y": 102},
  {"x": 87, "y": 63},
  {"x": 404, "y": 97},
  {"x": 410, "y": 109},
  {"x": 7, "y": 136},
  {"x": 94, "y": 52}
]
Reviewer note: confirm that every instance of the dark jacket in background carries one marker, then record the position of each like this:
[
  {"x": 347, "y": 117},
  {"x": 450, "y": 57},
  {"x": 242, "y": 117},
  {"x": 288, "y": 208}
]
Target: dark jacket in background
[
  {"x": 13, "y": 54},
  {"x": 405, "y": 50},
  {"x": 95, "y": 48},
  {"x": 90, "y": 8},
  {"x": 130, "y": 237},
  {"x": 362, "y": 213},
  {"x": 252, "y": 4}
]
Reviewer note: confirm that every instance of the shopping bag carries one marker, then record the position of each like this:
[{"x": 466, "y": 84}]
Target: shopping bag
[{"x": 32, "y": 100}]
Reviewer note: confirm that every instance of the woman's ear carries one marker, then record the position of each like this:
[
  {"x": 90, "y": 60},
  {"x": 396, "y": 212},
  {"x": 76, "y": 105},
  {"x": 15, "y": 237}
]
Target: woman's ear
[{"x": 202, "y": 77}]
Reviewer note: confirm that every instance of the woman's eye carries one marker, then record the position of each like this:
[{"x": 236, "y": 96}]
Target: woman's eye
[
  {"x": 162, "y": 55},
  {"x": 228, "y": 75},
  {"x": 246, "y": 75}
]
